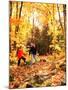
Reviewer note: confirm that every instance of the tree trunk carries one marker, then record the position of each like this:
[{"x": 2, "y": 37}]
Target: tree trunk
[
  {"x": 17, "y": 27},
  {"x": 60, "y": 19},
  {"x": 10, "y": 6},
  {"x": 16, "y": 10},
  {"x": 10, "y": 15},
  {"x": 20, "y": 9},
  {"x": 17, "y": 17},
  {"x": 64, "y": 13}
]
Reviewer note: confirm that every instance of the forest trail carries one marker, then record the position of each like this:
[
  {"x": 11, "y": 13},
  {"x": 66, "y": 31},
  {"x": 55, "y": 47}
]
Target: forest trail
[{"x": 38, "y": 74}]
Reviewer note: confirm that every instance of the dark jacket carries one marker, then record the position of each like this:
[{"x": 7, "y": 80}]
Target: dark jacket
[{"x": 32, "y": 50}]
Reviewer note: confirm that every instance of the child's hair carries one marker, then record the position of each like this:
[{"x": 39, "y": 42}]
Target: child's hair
[{"x": 20, "y": 47}]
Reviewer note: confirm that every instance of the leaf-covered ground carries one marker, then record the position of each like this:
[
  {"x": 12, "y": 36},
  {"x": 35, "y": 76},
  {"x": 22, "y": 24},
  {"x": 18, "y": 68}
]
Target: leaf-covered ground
[{"x": 39, "y": 74}]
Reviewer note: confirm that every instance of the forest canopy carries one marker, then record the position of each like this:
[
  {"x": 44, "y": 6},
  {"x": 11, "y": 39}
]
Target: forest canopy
[{"x": 34, "y": 21}]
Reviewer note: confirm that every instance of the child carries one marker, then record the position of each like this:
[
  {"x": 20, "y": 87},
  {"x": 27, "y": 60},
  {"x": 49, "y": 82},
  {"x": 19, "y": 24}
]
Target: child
[{"x": 20, "y": 55}]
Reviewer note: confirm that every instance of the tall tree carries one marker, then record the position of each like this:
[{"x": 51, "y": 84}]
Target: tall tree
[
  {"x": 10, "y": 6},
  {"x": 17, "y": 27},
  {"x": 10, "y": 15},
  {"x": 64, "y": 13},
  {"x": 16, "y": 10},
  {"x": 20, "y": 9},
  {"x": 60, "y": 18},
  {"x": 18, "y": 16}
]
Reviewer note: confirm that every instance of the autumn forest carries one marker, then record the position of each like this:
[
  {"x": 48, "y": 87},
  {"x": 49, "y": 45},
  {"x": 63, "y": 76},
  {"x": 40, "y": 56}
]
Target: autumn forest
[{"x": 37, "y": 39}]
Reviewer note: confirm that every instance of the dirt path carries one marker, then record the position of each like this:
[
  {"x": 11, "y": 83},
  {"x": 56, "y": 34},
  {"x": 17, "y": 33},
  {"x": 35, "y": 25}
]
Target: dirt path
[{"x": 39, "y": 74}]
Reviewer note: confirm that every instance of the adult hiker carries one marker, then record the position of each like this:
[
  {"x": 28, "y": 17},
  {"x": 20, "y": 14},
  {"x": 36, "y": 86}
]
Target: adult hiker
[
  {"x": 32, "y": 52},
  {"x": 21, "y": 55}
]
